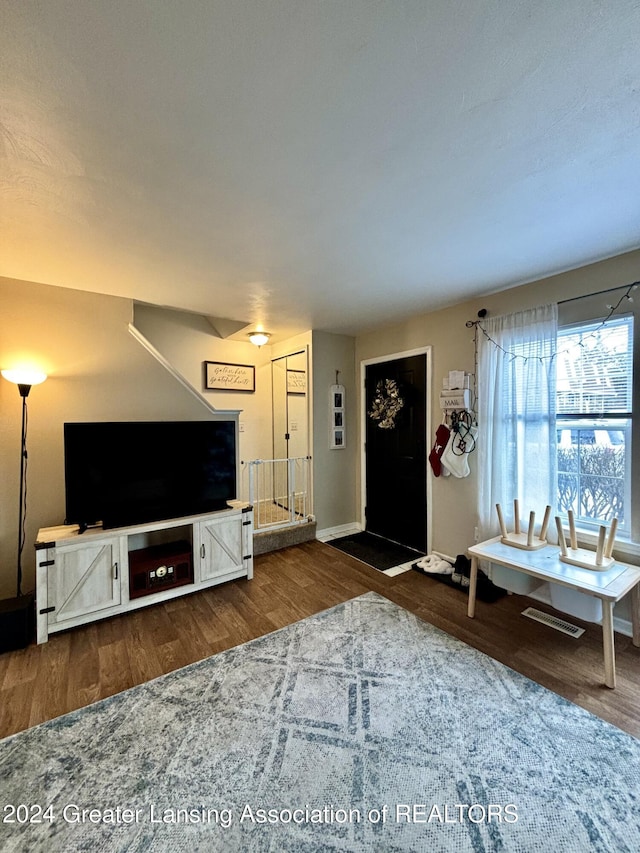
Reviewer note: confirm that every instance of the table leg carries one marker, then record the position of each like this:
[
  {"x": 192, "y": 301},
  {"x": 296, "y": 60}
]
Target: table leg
[
  {"x": 607, "y": 642},
  {"x": 635, "y": 614},
  {"x": 473, "y": 582}
]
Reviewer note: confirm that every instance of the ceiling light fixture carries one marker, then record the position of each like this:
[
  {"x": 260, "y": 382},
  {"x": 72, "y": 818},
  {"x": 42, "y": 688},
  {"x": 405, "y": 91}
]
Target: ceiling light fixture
[{"x": 259, "y": 338}]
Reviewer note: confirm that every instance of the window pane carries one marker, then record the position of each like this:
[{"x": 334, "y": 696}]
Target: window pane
[
  {"x": 594, "y": 384},
  {"x": 593, "y": 459},
  {"x": 594, "y": 368}
]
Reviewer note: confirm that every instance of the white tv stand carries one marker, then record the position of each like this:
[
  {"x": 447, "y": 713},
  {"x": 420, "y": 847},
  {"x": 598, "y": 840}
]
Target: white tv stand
[{"x": 83, "y": 577}]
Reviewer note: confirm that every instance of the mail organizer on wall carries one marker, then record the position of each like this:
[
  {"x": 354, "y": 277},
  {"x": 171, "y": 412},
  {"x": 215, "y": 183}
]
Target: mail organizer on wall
[
  {"x": 455, "y": 395},
  {"x": 456, "y": 400}
]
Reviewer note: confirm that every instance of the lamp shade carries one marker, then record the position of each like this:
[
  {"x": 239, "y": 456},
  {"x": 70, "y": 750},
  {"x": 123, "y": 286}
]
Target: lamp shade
[{"x": 24, "y": 376}]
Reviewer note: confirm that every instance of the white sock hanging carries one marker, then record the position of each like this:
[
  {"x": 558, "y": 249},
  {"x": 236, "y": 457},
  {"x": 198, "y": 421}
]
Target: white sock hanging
[{"x": 454, "y": 458}]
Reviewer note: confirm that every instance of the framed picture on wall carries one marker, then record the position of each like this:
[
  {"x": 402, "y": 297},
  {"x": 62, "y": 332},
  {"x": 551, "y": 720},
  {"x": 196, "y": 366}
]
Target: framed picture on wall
[
  {"x": 224, "y": 376},
  {"x": 337, "y": 418}
]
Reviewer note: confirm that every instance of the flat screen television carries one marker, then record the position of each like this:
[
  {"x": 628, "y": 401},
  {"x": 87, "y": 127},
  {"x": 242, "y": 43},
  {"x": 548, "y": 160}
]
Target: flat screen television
[{"x": 124, "y": 473}]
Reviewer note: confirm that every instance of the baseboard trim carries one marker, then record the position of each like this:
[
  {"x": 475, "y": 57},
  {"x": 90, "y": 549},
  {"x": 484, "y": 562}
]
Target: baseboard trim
[{"x": 341, "y": 530}]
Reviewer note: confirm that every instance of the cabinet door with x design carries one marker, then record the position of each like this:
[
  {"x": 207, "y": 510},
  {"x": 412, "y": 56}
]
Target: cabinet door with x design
[
  {"x": 220, "y": 547},
  {"x": 86, "y": 580}
]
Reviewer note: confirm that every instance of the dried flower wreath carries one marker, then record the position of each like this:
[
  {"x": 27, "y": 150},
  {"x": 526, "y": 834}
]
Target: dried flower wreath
[{"x": 386, "y": 403}]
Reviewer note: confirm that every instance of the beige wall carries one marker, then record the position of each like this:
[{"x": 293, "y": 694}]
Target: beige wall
[
  {"x": 97, "y": 371},
  {"x": 186, "y": 341},
  {"x": 334, "y": 471},
  {"x": 453, "y": 504}
]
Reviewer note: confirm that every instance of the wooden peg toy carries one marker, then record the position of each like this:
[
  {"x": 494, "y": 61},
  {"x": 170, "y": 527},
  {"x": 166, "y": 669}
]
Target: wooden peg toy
[
  {"x": 527, "y": 541},
  {"x": 596, "y": 561}
]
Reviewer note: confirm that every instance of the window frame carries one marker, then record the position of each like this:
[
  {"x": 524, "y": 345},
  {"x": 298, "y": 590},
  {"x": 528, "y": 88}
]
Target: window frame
[{"x": 629, "y": 529}]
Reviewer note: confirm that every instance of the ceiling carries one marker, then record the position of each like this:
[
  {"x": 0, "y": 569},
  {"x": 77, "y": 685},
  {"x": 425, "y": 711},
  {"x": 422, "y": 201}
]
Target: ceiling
[{"x": 327, "y": 164}]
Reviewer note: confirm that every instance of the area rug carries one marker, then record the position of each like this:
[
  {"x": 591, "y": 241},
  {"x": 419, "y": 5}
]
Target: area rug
[
  {"x": 360, "y": 729},
  {"x": 375, "y": 551}
]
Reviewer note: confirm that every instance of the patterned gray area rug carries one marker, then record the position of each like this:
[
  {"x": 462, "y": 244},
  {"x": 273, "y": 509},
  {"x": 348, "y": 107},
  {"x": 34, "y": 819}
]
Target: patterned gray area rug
[{"x": 362, "y": 728}]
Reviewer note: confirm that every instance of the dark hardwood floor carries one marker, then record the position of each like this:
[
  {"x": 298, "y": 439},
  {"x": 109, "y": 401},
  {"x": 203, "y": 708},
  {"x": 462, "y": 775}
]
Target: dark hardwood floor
[{"x": 89, "y": 663}]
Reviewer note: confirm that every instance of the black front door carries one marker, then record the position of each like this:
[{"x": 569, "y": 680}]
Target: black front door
[{"x": 396, "y": 458}]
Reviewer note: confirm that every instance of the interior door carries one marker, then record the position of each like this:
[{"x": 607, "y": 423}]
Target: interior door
[
  {"x": 290, "y": 424},
  {"x": 289, "y": 384},
  {"x": 396, "y": 458}
]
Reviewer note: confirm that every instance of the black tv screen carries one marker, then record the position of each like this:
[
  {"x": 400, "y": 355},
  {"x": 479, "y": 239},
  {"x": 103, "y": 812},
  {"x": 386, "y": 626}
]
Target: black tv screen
[{"x": 134, "y": 472}]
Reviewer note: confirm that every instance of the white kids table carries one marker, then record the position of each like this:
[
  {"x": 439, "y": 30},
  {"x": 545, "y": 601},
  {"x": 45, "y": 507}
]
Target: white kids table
[{"x": 609, "y": 586}]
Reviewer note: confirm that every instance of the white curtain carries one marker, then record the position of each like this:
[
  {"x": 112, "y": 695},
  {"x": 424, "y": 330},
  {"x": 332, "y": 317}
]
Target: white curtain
[{"x": 516, "y": 416}]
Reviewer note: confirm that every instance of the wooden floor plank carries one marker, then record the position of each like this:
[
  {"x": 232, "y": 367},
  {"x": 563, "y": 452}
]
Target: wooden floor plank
[
  {"x": 22, "y": 667},
  {"x": 114, "y": 668},
  {"x": 143, "y": 647},
  {"x": 50, "y": 690},
  {"x": 93, "y": 661}
]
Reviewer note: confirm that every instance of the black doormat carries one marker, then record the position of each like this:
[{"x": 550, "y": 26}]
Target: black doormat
[{"x": 374, "y": 550}]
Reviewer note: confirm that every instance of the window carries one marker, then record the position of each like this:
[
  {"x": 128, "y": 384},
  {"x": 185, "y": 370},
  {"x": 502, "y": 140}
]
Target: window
[{"x": 593, "y": 421}]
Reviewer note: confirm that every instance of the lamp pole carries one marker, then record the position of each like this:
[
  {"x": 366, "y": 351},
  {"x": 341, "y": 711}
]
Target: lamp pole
[
  {"x": 24, "y": 393},
  {"x": 24, "y": 379}
]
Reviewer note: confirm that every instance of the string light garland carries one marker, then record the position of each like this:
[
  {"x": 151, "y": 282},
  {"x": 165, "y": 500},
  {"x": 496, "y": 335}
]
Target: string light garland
[
  {"x": 482, "y": 313},
  {"x": 477, "y": 324}
]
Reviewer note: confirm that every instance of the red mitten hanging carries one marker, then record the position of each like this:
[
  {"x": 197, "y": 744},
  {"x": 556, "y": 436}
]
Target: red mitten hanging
[{"x": 442, "y": 437}]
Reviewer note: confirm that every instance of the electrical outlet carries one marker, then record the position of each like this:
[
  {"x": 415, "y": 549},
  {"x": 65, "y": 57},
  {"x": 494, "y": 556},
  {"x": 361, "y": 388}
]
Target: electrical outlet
[{"x": 476, "y": 534}]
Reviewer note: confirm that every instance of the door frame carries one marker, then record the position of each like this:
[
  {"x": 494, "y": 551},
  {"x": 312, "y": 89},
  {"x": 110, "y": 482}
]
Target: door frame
[{"x": 364, "y": 363}]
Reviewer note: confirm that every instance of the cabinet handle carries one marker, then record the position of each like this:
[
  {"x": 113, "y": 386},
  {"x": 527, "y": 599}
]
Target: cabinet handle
[
  {"x": 115, "y": 566},
  {"x": 202, "y": 550}
]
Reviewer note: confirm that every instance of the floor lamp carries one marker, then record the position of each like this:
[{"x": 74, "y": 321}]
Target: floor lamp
[{"x": 16, "y": 614}]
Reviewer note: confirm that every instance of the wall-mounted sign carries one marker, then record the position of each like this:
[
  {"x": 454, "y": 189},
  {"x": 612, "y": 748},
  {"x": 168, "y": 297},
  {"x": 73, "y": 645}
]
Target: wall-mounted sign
[{"x": 222, "y": 376}]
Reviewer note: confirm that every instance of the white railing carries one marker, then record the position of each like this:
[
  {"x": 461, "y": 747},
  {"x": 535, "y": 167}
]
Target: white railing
[{"x": 279, "y": 490}]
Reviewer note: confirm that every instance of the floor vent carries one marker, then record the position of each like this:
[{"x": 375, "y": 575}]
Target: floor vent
[{"x": 553, "y": 622}]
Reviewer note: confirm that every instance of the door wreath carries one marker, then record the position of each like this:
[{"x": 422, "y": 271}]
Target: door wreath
[{"x": 386, "y": 404}]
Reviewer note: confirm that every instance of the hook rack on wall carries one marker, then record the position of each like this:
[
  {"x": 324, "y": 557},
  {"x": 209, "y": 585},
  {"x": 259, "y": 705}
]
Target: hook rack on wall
[{"x": 455, "y": 398}]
